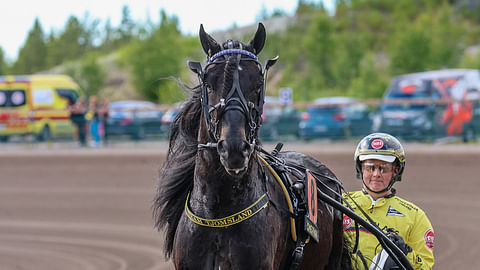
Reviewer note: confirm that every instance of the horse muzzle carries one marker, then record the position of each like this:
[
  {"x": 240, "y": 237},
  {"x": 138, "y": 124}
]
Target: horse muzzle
[{"x": 234, "y": 156}]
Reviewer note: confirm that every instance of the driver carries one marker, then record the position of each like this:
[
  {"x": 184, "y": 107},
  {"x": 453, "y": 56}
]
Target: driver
[{"x": 380, "y": 162}]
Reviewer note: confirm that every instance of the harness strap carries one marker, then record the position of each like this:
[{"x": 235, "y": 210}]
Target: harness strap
[
  {"x": 357, "y": 236},
  {"x": 232, "y": 51},
  {"x": 287, "y": 197},
  {"x": 243, "y": 215},
  {"x": 252, "y": 114},
  {"x": 297, "y": 256},
  {"x": 301, "y": 240}
]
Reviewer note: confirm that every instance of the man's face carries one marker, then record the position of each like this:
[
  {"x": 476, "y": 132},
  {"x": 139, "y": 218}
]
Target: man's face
[{"x": 377, "y": 174}]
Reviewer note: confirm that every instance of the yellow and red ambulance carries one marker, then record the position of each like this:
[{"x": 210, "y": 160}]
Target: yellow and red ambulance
[{"x": 36, "y": 105}]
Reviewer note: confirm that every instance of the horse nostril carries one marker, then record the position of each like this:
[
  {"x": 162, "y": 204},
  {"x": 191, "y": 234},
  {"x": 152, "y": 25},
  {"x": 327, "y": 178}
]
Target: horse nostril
[
  {"x": 246, "y": 148},
  {"x": 221, "y": 148}
]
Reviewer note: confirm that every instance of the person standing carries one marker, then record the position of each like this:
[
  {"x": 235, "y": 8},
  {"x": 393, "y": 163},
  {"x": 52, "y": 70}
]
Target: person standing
[
  {"x": 380, "y": 162},
  {"x": 94, "y": 121},
  {"x": 103, "y": 115},
  {"x": 78, "y": 110}
]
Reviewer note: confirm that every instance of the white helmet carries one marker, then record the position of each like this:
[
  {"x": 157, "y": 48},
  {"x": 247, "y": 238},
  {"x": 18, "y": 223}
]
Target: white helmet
[{"x": 381, "y": 146}]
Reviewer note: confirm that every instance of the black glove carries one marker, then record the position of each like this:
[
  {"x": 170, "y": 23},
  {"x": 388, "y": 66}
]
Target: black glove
[{"x": 398, "y": 241}]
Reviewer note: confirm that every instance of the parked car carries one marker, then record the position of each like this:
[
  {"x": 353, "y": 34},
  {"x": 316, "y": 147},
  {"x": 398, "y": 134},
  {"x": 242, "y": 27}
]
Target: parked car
[
  {"x": 134, "y": 118},
  {"x": 335, "y": 118},
  {"x": 169, "y": 116},
  {"x": 430, "y": 105},
  {"x": 278, "y": 121}
]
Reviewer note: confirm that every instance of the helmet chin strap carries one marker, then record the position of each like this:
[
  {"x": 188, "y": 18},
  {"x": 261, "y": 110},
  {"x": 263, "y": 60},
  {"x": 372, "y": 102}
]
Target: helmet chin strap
[{"x": 389, "y": 187}]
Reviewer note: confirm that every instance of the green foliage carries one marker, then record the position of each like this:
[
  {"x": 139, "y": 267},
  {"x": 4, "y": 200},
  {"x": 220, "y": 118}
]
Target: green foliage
[
  {"x": 369, "y": 82},
  {"x": 320, "y": 49},
  {"x": 155, "y": 59},
  {"x": 410, "y": 50},
  {"x": 416, "y": 36},
  {"x": 471, "y": 60},
  {"x": 127, "y": 25},
  {"x": 32, "y": 56},
  {"x": 447, "y": 36},
  {"x": 468, "y": 10},
  {"x": 69, "y": 45},
  {"x": 264, "y": 14},
  {"x": 355, "y": 51},
  {"x": 128, "y": 31},
  {"x": 3, "y": 65},
  {"x": 349, "y": 51},
  {"x": 89, "y": 75},
  {"x": 433, "y": 41}
]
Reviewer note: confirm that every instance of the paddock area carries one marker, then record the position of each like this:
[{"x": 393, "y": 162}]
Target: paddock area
[{"x": 85, "y": 209}]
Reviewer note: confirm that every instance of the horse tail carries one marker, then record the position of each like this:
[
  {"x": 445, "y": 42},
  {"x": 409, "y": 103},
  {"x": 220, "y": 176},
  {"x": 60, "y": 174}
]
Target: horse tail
[{"x": 176, "y": 175}]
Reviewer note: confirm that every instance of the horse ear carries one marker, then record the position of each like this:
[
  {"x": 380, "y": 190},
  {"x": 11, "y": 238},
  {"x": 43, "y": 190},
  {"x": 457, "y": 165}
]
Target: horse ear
[
  {"x": 259, "y": 39},
  {"x": 210, "y": 46}
]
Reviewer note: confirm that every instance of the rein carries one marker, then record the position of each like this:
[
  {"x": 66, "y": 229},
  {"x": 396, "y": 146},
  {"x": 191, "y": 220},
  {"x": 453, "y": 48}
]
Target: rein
[
  {"x": 397, "y": 255},
  {"x": 287, "y": 197}
]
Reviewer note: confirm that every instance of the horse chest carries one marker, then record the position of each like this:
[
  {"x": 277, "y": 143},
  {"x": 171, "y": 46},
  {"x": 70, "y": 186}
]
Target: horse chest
[{"x": 245, "y": 245}]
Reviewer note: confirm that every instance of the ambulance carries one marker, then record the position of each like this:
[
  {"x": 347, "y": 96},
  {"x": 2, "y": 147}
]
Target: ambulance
[{"x": 36, "y": 105}]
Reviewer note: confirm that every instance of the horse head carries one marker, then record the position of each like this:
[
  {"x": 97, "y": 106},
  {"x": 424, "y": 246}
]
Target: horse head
[{"x": 232, "y": 98}]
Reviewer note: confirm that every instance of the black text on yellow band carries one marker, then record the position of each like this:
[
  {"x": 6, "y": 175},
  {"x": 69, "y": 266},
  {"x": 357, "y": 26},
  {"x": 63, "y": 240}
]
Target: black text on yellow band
[{"x": 230, "y": 220}]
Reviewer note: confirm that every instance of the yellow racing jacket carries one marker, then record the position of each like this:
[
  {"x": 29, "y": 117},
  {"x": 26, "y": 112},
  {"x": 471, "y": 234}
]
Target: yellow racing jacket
[{"x": 393, "y": 212}]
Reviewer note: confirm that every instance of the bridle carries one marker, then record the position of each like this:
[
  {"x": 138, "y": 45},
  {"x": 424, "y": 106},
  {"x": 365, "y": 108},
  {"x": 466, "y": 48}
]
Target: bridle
[{"x": 235, "y": 99}]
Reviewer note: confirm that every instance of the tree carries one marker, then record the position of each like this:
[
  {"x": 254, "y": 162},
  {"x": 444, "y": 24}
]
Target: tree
[
  {"x": 368, "y": 83},
  {"x": 470, "y": 60},
  {"x": 155, "y": 58},
  {"x": 108, "y": 37},
  {"x": 89, "y": 75},
  {"x": 127, "y": 25},
  {"x": 33, "y": 55},
  {"x": 410, "y": 50},
  {"x": 90, "y": 37},
  {"x": 350, "y": 48},
  {"x": 319, "y": 50},
  {"x": 3, "y": 65},
  {"x": 70, "y": 45},
  {"x": 447, "y": 37}
]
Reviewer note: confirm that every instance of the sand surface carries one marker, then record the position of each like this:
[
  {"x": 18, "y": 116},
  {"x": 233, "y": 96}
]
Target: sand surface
[{"x": 68, "y": 208}]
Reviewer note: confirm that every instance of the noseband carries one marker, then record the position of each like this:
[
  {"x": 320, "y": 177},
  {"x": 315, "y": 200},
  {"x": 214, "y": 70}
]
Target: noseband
[{"x": 235, "y": 99}]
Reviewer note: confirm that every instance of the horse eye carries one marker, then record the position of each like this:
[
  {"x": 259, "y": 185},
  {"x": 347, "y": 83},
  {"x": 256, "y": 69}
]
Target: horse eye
[{"x": 259, "y": 87}]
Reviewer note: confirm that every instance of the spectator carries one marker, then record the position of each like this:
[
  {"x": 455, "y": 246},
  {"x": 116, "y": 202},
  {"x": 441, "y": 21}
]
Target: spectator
[
  {"x": 78, "y": 111},
  {"x": 103, "y": 115},
  {"x": 94, "y": 110}
]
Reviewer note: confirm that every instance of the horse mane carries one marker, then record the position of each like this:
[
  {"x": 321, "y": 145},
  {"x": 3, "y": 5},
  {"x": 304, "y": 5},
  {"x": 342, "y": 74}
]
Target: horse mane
[{"x": 176, "y": 175}]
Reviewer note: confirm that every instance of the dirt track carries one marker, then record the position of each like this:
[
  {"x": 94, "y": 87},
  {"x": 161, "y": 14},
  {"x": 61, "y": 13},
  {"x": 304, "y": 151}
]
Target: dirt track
[{"x": 90, "y": 209}]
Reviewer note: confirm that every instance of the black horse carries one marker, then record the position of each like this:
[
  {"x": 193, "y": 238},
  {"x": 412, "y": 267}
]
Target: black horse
[{"x": 220, "y": 203}]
